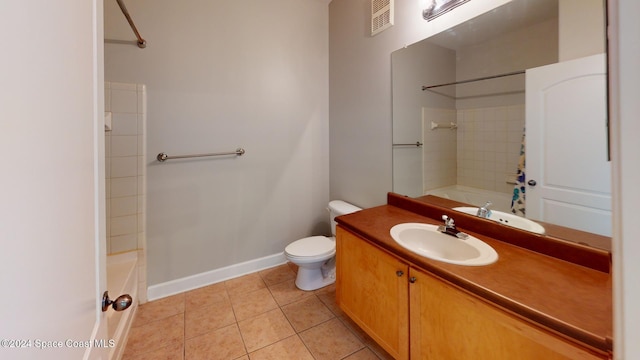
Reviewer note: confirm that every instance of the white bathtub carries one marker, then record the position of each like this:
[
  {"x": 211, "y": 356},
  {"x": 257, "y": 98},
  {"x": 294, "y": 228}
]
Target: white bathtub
[
  {"x": 477, "y": 197},
  {"x": 122, "y": 278}
]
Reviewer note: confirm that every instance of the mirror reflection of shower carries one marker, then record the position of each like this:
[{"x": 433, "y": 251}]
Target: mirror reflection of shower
[
  {"x": 477, "y": 159},
  {"x": 473, "y": 79}
]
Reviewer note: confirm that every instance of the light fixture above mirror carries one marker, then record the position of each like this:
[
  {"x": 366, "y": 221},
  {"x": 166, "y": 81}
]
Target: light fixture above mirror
[{"x": 436, "y": 8}]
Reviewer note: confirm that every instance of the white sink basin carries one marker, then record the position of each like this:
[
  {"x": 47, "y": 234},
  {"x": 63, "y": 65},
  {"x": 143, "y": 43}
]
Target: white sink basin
[
  {"x": 427, "y": 241},
  {"x": 507, "y": 219}
]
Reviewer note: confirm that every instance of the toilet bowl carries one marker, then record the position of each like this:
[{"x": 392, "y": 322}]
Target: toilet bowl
[{"x": 315, "y": 255}]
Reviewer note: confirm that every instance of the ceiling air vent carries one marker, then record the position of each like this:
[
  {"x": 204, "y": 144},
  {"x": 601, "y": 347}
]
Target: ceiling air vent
[{"x": 381, "y": 15}]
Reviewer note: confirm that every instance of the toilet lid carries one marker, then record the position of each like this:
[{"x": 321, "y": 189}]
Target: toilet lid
[{"x": 311, "y": 246}]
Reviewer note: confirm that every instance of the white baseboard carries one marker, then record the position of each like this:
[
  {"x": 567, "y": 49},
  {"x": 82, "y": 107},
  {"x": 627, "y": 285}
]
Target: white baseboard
[{"x": 177, "y": 286}]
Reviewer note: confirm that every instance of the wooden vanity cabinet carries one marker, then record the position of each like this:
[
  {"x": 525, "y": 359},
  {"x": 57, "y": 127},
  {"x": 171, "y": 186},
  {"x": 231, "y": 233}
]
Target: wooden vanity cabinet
[
  {"x": 413, "y": 314},
  {"x": 371, "y": 288},
  {"x": 449, "y": 323}
]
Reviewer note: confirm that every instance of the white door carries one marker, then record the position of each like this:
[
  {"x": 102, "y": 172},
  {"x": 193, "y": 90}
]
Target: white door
[
  {"x": 52, "y": 207},
  {"x": 567, "y": 170}
]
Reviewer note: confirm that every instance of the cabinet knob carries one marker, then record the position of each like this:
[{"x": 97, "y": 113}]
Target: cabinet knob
[
  {"x": 412, "y": 279},
  {"x": 399, "y": 273}
]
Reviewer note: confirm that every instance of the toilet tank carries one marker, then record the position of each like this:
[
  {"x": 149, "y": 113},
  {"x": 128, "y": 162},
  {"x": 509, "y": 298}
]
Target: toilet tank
[{"x": 337, "y": 208}]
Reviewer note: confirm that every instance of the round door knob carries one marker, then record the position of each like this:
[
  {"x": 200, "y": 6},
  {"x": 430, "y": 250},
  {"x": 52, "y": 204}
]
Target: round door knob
[
  {"x": 121, "y": 303},
  {"x": 532, "y": 182}
]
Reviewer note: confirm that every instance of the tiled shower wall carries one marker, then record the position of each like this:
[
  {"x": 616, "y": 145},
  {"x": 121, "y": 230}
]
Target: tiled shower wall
[
  {"x": 489, "y": 146},
  {"x": 125, "y": 170},
  {"x": 482, "y": 153}
]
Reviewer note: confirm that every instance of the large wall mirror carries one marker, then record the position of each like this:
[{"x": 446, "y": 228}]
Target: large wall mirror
[{"x": 509, "y": 102}]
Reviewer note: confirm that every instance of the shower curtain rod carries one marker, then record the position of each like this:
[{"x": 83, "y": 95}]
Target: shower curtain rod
[
  {"x": 473, "y": 80},
  {"x": 142, "y": 43}
]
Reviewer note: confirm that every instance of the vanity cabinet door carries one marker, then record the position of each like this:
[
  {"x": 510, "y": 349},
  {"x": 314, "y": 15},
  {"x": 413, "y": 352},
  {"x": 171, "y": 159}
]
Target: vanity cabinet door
[
  {"x": 371, "y": 288},
  {"x": 448, "y": 323}
]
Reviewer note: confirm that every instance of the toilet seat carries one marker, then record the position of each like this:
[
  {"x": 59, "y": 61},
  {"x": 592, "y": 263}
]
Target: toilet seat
[{"x": 309, "y": 247}]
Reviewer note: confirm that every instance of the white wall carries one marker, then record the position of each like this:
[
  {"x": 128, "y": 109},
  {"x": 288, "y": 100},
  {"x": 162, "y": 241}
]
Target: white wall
[
  {"x": 221, "y": 75},
  {"x": 581, "y": 21},
  {"x": 360, "y": 91}
]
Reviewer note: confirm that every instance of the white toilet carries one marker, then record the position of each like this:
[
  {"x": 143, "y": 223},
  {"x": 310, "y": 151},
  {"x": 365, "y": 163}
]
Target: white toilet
[{"x": 315, "y": 255}]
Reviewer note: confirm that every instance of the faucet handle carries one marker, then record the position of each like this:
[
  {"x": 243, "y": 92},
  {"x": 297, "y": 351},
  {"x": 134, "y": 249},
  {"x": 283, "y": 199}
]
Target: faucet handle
[
  {"x": 486, "y": 206},
  {"x": 448, "y": 222}
]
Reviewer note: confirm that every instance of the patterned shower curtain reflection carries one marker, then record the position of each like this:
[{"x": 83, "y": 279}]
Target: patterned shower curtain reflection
[{"x": 518, "y": 203}]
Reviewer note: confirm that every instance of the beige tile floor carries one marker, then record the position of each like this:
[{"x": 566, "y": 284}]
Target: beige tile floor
[{"x": 257, "y": 316}]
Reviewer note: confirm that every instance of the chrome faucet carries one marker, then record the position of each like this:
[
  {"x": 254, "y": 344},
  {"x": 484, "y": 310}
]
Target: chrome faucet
[
  {"x": 484, "y": 211},
  {"x": 449, "y": 228}
]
